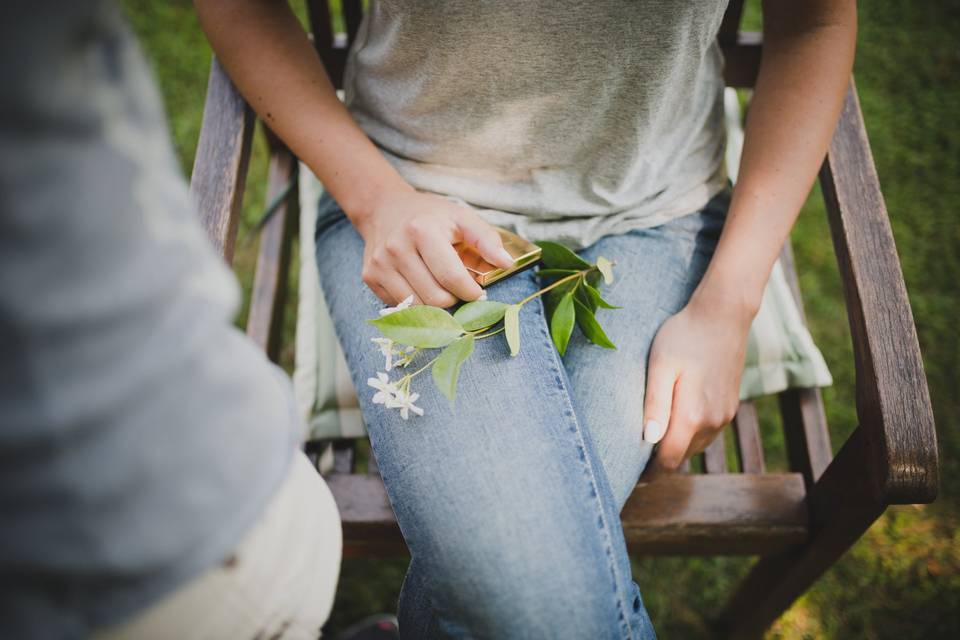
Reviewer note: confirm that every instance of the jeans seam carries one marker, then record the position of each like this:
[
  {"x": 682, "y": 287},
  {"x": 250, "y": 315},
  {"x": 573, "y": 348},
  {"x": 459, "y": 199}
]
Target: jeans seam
[{"x": 608, "y": 542}]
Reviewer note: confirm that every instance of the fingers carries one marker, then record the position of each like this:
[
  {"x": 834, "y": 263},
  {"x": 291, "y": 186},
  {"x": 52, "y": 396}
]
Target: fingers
[
  {"x": 424, "y": 284},
  {"x": 658, "y": 400},
  {"x": 396, "y": 286},
  {"x": 695, "y": 421},
  {"x": 447, "y": 267},
  {"x": 681, "y": 428},
  {"x": 485, "y": 239}
]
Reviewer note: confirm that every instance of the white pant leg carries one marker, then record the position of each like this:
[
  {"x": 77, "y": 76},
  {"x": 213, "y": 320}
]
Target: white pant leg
[{"x": 280, "y": 580}]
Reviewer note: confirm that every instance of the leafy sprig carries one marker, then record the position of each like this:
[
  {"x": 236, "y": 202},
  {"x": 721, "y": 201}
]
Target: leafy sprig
[{"x": 571, "y": 297}]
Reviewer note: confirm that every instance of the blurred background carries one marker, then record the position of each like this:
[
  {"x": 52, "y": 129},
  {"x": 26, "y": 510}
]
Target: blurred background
[{"x": 902, "y": 579}]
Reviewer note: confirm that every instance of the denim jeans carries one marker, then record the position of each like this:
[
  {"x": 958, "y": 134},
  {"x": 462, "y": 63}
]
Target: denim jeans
[{"x": 509, "y": 500}]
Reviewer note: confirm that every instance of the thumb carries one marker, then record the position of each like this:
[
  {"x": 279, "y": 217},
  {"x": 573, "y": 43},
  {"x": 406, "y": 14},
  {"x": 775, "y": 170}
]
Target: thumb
[
  {"x": 657, "y": 401},
  {"x": 485, "y": 239}
]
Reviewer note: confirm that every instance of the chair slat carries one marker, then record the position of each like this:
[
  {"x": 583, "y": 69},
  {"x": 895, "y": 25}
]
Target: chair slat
[
  {"x": 220, "y": 166},
  {"x": 730, "y": 514},
  {"x": 804, "y": 418},
  {"x": 321, "y": 27},
  {"x": 372, "y": 467},
  {"x": 344, "y": 456},
  {"x": 746, "y": 426},
  {"x": 267, "y": 299},
  {"x": 715, "y": 456},
  {"x": 352, "y": 15},
  {"x": 805, "y": 428},
  {"x": 730, "y": 25},
  {"x": 742, "y": 59}
]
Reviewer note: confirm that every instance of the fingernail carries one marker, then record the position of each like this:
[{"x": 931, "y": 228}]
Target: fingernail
[
  {"x": 505, "y": 256},
  {"x": 653, "y": 431}
]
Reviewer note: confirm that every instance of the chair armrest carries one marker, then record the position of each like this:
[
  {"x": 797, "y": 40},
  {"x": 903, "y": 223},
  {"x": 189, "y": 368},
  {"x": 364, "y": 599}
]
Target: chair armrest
[
  {"x": 893, "y": 403},
  {"x": 220, "y": 166}
]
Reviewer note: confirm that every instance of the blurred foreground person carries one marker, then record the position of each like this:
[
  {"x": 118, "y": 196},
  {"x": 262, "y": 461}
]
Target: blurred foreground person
[{"x": 150, "y": 478}]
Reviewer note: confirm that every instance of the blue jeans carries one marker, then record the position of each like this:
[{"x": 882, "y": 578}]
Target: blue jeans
[{"x": 509, "y": 501}]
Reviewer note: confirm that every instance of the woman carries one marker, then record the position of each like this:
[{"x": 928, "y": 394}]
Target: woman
[{"x": 597, "y": 124}]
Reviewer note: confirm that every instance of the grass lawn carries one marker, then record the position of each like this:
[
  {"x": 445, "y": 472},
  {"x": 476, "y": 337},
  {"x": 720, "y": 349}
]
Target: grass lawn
[{"x": 902, "y": 579}]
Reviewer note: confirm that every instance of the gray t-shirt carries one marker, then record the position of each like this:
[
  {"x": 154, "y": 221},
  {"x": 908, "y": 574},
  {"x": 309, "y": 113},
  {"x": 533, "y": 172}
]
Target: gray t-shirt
[
  {"x": 562, "y": 119},
  {"x": 141, "y": 434}
]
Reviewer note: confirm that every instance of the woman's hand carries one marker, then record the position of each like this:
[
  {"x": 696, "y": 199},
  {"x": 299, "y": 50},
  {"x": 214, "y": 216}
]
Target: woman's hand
[
  {"x": 693, "y": 378},
  {"x": 408, "y": 249}
]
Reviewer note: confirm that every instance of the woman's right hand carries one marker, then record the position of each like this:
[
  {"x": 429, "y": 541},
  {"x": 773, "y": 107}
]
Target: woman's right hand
[{"x": 408, "y": 249}]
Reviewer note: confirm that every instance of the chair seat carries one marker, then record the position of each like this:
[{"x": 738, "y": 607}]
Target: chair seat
[{"x": 716, "y": 514}]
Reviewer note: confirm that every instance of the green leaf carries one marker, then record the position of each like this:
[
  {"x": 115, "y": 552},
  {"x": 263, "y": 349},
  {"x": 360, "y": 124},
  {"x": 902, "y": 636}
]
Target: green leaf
[
  {"x": 561, "y": 324},
  {"x": 511, "y": 326},
  {"x": 557, "y": 256},
  {"x": 446, "y": 369},
  {"x": 479, "y": 314},
  {"x": 590, "y": 327},
  {"x": 553, "y": 297},
  {"x": 584, "y": 297},
  {"x": 606, "y": 268},
  {"x": 597, "y": 299},
  {"x": 594, "y": 278},
  {"x": 419, "y": 326},
  {"x": 556, "y": 273}
]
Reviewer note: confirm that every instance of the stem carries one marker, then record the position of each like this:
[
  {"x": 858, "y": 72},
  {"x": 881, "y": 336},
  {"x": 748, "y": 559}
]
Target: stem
[
  {"x": 578, "y": 274},
  {"x": 492, "y": 333},
  {"x": 411, "y": 375}
]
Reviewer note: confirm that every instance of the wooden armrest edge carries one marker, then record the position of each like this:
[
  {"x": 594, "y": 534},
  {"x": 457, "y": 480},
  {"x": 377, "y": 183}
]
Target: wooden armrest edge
[
  {"x": 220, "y": 165},
  {"x": 893, "y": 402}
]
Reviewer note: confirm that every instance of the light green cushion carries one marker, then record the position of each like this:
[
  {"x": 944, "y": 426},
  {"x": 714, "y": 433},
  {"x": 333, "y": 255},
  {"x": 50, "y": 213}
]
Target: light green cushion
[{"x": 780, "y": 351}]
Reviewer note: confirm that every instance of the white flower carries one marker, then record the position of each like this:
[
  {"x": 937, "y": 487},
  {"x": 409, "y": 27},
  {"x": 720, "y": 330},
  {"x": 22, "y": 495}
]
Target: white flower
[
  {"x": 390, "y": 349},
  {"x": 404, "y": 401},
  {"x": 405, "y": 356},
  {"x": 386, "y": 390},
  {"x": 400, "y": 307},
  {"x": 386, "y": 349}
]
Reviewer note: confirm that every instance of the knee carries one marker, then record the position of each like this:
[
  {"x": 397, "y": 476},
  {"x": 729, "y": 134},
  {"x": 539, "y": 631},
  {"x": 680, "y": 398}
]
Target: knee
[{"x": 533, "y": 590}]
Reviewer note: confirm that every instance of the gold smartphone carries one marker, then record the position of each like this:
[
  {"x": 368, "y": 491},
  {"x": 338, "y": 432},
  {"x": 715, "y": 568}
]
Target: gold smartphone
[{"x": 525, "y": 254}]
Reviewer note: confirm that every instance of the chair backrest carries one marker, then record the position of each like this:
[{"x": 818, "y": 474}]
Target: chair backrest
[{"x": 741, "y": 50}]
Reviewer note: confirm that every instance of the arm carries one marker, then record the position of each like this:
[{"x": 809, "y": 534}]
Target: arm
[
  {"x": 268, "y": 56},
  {"x": 697, "y": 357}
]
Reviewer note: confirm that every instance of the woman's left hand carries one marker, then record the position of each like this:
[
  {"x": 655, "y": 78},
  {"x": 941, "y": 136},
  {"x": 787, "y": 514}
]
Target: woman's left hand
[{"x": 693, "y": 377}]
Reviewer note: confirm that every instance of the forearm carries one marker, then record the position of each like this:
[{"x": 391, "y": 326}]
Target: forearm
[
  {"x": 269, "y": 57},
  {"x": 804, "y": 73}
]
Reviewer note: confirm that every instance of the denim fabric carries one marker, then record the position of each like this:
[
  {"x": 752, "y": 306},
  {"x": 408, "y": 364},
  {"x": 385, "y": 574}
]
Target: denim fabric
[{"x": 509, "y": 501}]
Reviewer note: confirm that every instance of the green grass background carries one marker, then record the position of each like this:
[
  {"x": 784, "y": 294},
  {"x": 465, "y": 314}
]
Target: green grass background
[{"x": 902, "y": 579}]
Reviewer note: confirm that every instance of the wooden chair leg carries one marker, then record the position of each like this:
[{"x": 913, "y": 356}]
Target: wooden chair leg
[{"x": 843, "y": 505}]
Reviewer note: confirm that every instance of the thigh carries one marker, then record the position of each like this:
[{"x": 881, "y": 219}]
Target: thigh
[
  {"x": 500, "y": 497},
  {"x": 656, "y": 272}
]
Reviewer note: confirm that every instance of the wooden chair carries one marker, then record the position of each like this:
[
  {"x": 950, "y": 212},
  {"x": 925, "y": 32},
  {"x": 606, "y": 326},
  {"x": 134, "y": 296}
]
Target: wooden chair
[{"x": 801, "y": 521}]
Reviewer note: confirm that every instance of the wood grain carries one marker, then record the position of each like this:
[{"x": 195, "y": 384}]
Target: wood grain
[
  {"x": 715, "y": 456},
  {"x": 264, "y": 323},
  {"x": 803, "y": 416},
  {"x": 716, "y": 514},
  {"x": 746, "y": 426},
  {"x": 676, "y": 514},
  {"x": 220, "y": 166},
  {"x": 893, "y": 403},
  {"x": 805, "y": 431},
  {"x": 843, "y": 504}
]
